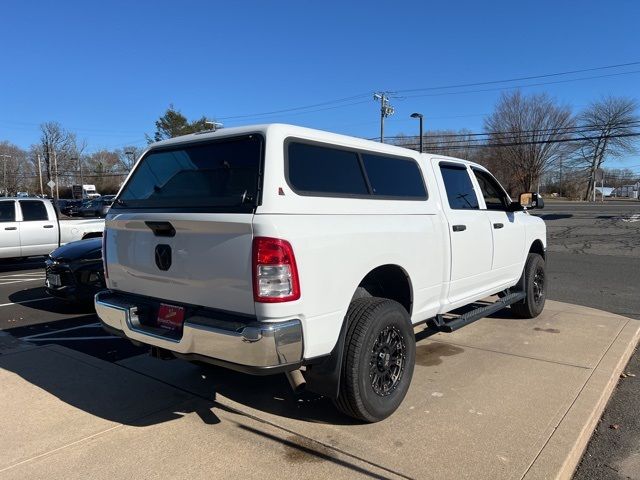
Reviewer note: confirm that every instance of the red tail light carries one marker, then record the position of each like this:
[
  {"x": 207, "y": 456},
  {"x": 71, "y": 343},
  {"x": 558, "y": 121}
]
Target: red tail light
[
  {"x": 275, "y": 274},
  {"x": 104, "y": 253}
]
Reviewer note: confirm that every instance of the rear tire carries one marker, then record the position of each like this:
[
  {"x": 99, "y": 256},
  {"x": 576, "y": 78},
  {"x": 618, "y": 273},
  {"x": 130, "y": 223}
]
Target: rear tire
[
  {"x": 533, "y": 283},
  {"x": 378, "y": 359}
]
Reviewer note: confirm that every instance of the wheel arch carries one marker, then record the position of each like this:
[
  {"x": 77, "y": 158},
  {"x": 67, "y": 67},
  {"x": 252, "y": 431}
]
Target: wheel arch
[
  {"x": 92, "y": 235},
  {"x": 387, "y": 281},
  {"x": 538, "y": 247}
]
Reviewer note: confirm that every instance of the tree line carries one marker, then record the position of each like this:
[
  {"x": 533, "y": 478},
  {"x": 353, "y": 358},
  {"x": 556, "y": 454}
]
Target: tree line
[
  {"x": 532, "y": 141},
  {"x": 529, "y": 142},
  {"x": 60, "y": 156}
]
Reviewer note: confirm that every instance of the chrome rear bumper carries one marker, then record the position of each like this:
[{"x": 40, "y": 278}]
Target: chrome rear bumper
[{"x": 261, "y": 345}]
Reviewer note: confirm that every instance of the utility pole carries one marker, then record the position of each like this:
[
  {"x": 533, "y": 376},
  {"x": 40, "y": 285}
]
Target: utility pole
[
  {"x": 40, "y": 176},
  {"x": 561, "y": 193},
  {"x": 55, "y": 167},
  {"x": 386, "y": 110},
  {"x": 4, "y": 166},
  {"x": 79, "y": 159}
]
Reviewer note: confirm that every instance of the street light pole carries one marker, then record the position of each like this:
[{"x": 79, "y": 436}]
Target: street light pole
[{"x": 420, "y": 116}]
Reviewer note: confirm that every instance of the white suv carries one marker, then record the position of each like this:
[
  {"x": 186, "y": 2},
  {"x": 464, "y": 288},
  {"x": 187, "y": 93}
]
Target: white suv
[{"x": 276, "y": 248}]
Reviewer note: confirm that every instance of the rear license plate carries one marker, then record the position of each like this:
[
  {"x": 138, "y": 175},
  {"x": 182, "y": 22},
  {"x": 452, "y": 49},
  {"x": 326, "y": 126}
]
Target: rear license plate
[
  {"x": 170, "y": 317},
  {"x": 53, "y": 280}
]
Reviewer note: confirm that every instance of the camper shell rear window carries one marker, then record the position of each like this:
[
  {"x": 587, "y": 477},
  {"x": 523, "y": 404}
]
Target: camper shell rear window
[{"x": 221, "y": 175}]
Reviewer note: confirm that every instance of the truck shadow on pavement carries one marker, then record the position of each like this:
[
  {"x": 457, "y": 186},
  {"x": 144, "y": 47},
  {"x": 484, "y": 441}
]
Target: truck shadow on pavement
[
  {"x": 554, "y": 216},
  {"x": 142, "y": 390},
  {"x": 94, "y": 387}
]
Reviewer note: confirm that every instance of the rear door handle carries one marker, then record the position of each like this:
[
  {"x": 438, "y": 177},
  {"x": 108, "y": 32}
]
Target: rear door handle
[
  {"x": 48, "y": 226},
  {"x": 10, "y": 228},
  {"x": 459, "y": 228},
  {"x": 498, "y": 225}
]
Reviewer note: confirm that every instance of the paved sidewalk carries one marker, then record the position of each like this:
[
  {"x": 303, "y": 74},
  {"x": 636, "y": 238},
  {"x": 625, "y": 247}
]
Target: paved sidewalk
[{"x": 502, "y": 398}]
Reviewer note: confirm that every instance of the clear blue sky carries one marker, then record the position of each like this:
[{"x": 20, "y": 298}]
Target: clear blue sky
[{"x": 108, "y": 70}]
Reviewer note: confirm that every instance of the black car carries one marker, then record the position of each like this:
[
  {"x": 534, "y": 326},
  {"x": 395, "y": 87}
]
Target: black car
[
  {"x": 98, "y": 207},
  {"x": 68, "y": 207},
  {"x": 74, "y": 271}
]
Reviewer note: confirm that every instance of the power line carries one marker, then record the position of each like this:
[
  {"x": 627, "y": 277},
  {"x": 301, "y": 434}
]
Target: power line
[
  {"x": 533, "y": 142},
  {"x": 512, "y": 87},
  {"x": 565, "y": 130},
  {"x": 441, "y": 87},
  {"x": 517, "y": 79},
  {"x": 293, "y": 109}
]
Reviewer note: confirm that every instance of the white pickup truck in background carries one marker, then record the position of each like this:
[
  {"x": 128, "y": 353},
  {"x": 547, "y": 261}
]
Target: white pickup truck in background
[{"x": 30, "y": 227}]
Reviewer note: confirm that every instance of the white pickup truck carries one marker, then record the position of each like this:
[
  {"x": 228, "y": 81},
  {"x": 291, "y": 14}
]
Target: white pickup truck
[
  {"x": 276, "y": 248},
  {"x": 30, "y": 227}
]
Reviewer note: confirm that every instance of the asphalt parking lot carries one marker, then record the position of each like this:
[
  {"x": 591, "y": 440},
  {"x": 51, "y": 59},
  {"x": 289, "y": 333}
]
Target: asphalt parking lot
[{"x": 593, "y": 260}]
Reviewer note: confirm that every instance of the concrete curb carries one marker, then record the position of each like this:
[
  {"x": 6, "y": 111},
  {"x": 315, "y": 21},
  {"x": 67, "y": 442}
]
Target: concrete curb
[{"x": 562, "y": 453}]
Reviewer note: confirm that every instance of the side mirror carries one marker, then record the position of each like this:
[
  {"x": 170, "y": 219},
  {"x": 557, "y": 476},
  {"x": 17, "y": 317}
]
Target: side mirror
[{"x": 531, "y": 200}]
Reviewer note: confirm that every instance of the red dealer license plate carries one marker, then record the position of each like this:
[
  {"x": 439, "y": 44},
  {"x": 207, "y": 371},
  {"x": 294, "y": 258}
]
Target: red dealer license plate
[{"x": 170, "y": 317}]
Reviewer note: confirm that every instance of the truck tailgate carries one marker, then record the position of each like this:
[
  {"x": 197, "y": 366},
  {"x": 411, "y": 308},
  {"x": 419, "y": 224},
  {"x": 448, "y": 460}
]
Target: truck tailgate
[{"x": 207, "y": 262}]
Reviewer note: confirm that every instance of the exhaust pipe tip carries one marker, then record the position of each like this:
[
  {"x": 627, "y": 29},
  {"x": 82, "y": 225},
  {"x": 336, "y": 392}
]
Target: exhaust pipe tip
[{"x": 296, "y": 380}]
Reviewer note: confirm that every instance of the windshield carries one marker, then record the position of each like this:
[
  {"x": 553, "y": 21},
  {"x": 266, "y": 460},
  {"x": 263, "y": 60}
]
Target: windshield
[{"x": 216, "y": 175}]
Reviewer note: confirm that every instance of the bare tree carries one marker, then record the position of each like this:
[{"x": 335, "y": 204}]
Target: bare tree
[
  {"x": 15, "y": 170},
  {"x": 128, "y": 156},
  {"x": 104, "y": 170},
  {"x": 607, "y": 129},
  {"x": 528, "y": 134}
]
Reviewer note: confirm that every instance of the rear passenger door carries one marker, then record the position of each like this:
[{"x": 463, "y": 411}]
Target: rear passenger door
[
  {"x": 508, "y": 233},
  {"x": 9, "y": 230},
  {"x": 469, "y": 233},
  {"x": 38, "y": 235}
]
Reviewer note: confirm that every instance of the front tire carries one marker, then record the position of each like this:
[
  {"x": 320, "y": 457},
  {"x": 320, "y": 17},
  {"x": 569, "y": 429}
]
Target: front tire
[
  {"x": 378, "y": 360},
  {"x": 533, "y": 282}
]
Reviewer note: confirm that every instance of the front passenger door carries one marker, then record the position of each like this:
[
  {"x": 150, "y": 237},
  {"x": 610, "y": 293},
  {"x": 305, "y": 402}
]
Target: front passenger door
[
  {"x": 469, "y": 233},
  {"x": 508, "y": 233}
]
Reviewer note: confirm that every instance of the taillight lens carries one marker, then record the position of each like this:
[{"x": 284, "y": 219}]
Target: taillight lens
[
  {"x": 104, "y": 253},
  {"x": 275, "y": 275}
]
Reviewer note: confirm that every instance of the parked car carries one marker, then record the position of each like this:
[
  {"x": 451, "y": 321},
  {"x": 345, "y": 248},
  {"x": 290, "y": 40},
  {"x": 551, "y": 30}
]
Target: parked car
[
  {"x": 74, "y": 272},
  {"x": 97, "y": 207},
  {"x": 276, "y": 248},
  {"x": 31, "y": 227},
  {"x": 68, "y": 207}
]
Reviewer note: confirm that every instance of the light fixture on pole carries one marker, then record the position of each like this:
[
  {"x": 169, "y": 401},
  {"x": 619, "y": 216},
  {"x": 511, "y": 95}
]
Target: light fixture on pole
[{"x": 419, "y": 115}]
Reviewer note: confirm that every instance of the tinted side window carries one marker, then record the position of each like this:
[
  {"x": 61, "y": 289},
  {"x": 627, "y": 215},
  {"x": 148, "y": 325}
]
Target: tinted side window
[
  {"x": 7, "y": 211},
  {"x": 33, "y": 210},
  {"x": 394, "y": 176},
  {"x": 494, "y": 196},
  {"x": 459, "y": 188},
  {"x": 325, "y": 170}
]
